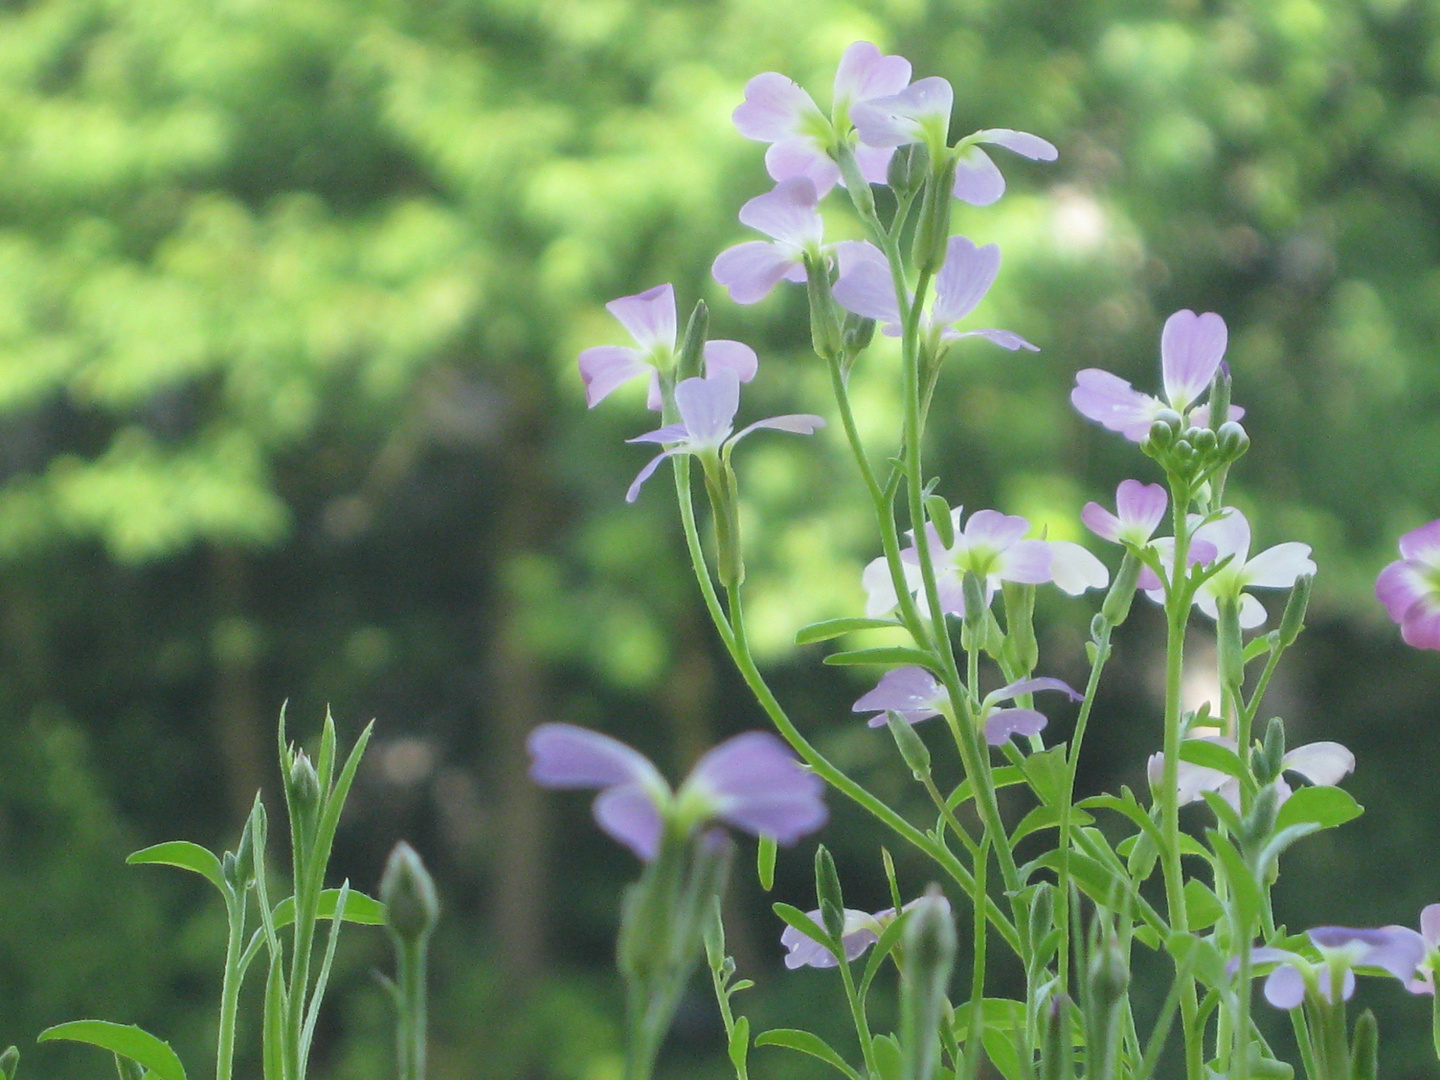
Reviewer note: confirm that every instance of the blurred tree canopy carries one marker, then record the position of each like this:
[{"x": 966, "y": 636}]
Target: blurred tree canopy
[{"x": 290, "y": 295}]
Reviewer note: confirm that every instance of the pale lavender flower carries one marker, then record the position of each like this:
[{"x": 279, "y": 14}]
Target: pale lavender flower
[
  {"x": 1324, "y": 764},
  {"x": 1003, "y": 724},
  {"x": 1141, "y": 508},
  {"x": 1424, "y": 981},
  {"x": 1191, "y": 348},
  {"x": 866, "y": 287},
  {"x": 751, "y": 782},
  {"x": 777, "y": 110},
  {"x": 921, "y": 113},
  {"x": 1274, "y": 568},
  {"x": 992, "y": 546},
  {"x": 650, "y": 318},
  {"x": 789, "y": 215},
  {"x": 860, "y": 931},
  {"x": 911, "y": 691},
  {"x": 707, "y": 415},
  {"x": 1396, "y": 949},
  {"x": 1410, "y": 588}
]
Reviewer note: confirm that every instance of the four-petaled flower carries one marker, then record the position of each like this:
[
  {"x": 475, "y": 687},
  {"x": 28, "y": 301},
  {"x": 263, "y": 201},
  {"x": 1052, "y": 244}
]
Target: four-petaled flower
[
  {"x": 1396, "y": 949},
  {"x": 1191, "y": 348},
  {"x": 778, "y": 110},
  {"x": 707, "y": 416},
  {"x": 1424, "y": 981},
  {"x": 751, "y": 782},
  {"x": 1229, "y": 536},
  {"x": 788, "y": 214},
  {"x": 915, "y": 694},
  {"x": 866, "y": 287},
  {"x": 860, "y": 931},
  {"x": 1410, "y": 588},
  {"x": 921, "y": 113},
  {"x": 650, "y": 318},
  {"x": 1324, "y": 764}
]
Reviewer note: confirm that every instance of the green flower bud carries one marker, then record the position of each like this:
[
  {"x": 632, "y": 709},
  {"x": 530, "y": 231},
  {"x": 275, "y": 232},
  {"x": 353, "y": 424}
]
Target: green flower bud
[
  {"x": 1259, "y": 824},
  {"x": 692, "y": 352},
  {"x": 1205, "y": 441},
  {"x": 856, "y": 333},
  {"x": 824, "y": 312},
  {"x": 1220, "y": 398},
  {"x": 1122, "y": 591},
  {"x": 1161, "y": 435},
  {"x": 912, "y": 747},
  {"x": 229, "y": 873},
  {"x": 1232, "y": 440},
  {"x": 1109, "y": 974},
  {"x": 1269, "y": 762},
  {"x": 1365, "y": 1048},
  {"x": 932, "y": 234},
  {"x": 408, "y": 892},
  {"x": 302, "y": 790},
  {"x": 1056, "y": 1041},
  {"x": 929, "y": 944},
  {"x": 9, "y": 1062},
  {"x": 909, "y": 166},
  {"x": 1170, "y": 418},
  {"x": 1293, "y": 621},
  {"x": 827, "y": 892},
  {"x": 938, "y": 511}
]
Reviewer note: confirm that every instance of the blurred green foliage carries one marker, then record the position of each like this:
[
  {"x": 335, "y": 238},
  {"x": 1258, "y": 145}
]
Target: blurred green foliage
[{"x": 290, "y": 295}]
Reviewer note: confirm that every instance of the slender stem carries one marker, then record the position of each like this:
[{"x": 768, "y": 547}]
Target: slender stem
[
  {"x": 410, "y": 1034},
  {"x": 974, "y": 1043},
  {"x": 860, "y": 1020},
  {"x": 230, "y": 985}
]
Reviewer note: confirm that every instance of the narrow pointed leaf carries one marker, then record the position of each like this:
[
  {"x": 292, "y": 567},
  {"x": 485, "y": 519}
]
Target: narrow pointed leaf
[
  {"x": 186, "y": 856},
  {"x": 806, "y": 1043},
  {"x": 833, "y": 628},
  {"x": 894, "y": 656},
  {"x": 126, "y": 1040}
]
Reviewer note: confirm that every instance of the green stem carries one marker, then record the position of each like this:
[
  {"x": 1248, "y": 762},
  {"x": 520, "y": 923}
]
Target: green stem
[
  {"x": 410, "y": 1035},
  {"x": 230, "y": 985},
  {"x": 860, "y": 1020}
]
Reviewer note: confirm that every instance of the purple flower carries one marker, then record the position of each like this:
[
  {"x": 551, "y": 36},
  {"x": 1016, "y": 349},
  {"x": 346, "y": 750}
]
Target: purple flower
[
  {"x": 866, "y": 287},
  {"x": 707, "y": 416},
  {"x": 921, "y": 113},
  {"x": 991, "y": 546},
  {"x": 778, "y": 111},
  {"x": 750, "y": 781},
  {"x": 1141, "y": 509},
  {"x": 1396, "y": 949},
  {"x": 860, "y": 931},
  {"x": 1424, "y": 981},
  {"x": 1410, "y": 588},
  {"x": 1273, "y": 568},
  {"x": 1324, "y": 764},
  {"x": 911, "y": 691},
  {"x": 1191, "y": 348},
  {"x": 789, "y": 215},
  {"x": 1003, "y": 724},
  {"x": 650, "y": 318}
]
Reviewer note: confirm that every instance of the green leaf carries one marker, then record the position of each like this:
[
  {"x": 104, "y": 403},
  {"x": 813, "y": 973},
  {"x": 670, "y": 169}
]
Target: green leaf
[
  {"x": 765, "y": 862},
  {"x": 1212, "y": 756},
  {"x": 126, "y": 1040},
  {"x": 1199, "y": 957},
  {"x": 273, "y": 1025},
  {"x": 805, "y": 1043},
  {"x": 1223, "y": 811},
  {"x": 1002, "y": 1014},
  {"x": 1000, "y": 1049},
  {"x": 889, "y": 1061},
  {"x": 1326, "y": 807},
  {"x": 1002, "y": 777},
  {"x": 360, "y": 909},
  {"x": 833, "y": 628},
  {"x": 1201, "y": 905},
  {"x": 1045, "y": 817},
  {"x": 1048, "y": 772},
  {"x": 893, "y": 656},
  {"x": 793, "y": 916},
  {"x": 739, "y": 1048},
  {"x": 186, "y": 856},
  {"x": 889, "y": 938},
  {"x": 1243, "y": 887}
]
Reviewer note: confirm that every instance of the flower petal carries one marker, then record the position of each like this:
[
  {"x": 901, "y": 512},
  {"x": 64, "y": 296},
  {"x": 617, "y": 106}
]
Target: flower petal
[
  {"x": 867, "y": 288},
  {"x": 1324, "y": 763},
  {"x": 630, "y": 815},
  {"x": 903, "y": 117},
  {"x": 1112, "y": 402},
  {"x": 800, "y": 155},
  {"x": 1006, "y": 339},
  {"x": 911, "y": 691},
  {"x": 606, "y": 367},
  {"x": 1100, "y": 522},
  {"x": 752, "y": 269},
  {"x": 963, "y": 281},
  {"x": 977, "y": 180},
  {"x": 1191, "y": 348},
  {"x": 707, "y": 407},
  {"x": 649, "y": 316},
  {"x": 633, "y": 492},
  {"x": 1030, "y": 686},
  {"x": 567, "y": 756},
  {"x": 1403, "y": 585},
  {"x": 755, "y": 783},
  {"x": 1285, "y": 987},
  {"x": 1422, "y": 544},
  {"x": 787, "y": 212},
  {"x": 994, "y": 530},
  {"x": 1073, "y": 569},
  {"x": 733, "y": 356},
  {"x": 1279, "y": 566},
  {"x": 865, "y": 72},
  {"x": 1019, "y": 142},
  {"x": 795, "y": 423},
  {"x": 774, "y": 107},
  {"x": 1141, "y": 506},
  {"x": 1420, "y": 628},
  {"x": 1003, "y": 724}
]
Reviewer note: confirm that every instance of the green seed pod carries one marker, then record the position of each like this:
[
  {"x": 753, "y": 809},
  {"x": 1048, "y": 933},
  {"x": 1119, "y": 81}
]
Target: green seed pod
[
  {"x": 408, "y": 892},
  {"x": 975, "y": 606},
  {"x": 1293, "y": 621},
  {"x": 827, "y": 892},
  {"x": 1365, "y": 1048},
  {"x": 824, "y": 312},
  {"x": 932, "y": 234},
  {"x": 855, "y": 183},
  {"x": 912, "y": 747},
  {"x": 1122, "y": 591},
  {"x": 692, "y": 352},
  {"x": 1020, "y": 643},
  {"x": 1271, "y": 759}
]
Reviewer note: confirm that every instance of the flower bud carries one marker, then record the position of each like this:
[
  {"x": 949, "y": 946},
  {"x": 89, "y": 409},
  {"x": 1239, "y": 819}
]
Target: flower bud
[
  {"x": 1259, "y": 824},
  {"x": 856, "y": 333},
  {"x": 824, "y": 318},
  {"x": 1232, "y": 440},
  {"x": 938, "y": 511},
  {"x": 929, "y": 944},
  {"x": 9, "y": 1062},
  {"x": 1170, "y": 418},
  {"x": 1269, "y": 762},
  {"x": 1056, "y": 1041},
  {"x": 1220, "y": 397},
  {"x": 909, "y": 166},
  {"x": 1293, "y": 621},
  {"x": 1205, "y": 441},
  {"x": 827, "y": 892},
  {"x": 1161, "y": 435},
  {"x": 408, "y": 892},
  {"x": 1183, "y": 451},
  {"x": 692, "y": 351},
  {"x": 229, "y": 873},
  {"x": 1041, "y": 914},
  {"x": 975, "y": 605},
  {"x": 912, "y": 747},
  {"x": 302, "y": 789},
  {"x": 1122, "y": 590},
  {"x": 855, "y": 182},
  {"x": 1109, "y": 974},
  {"x": 1365, "y": 1048},
  {"x": 932, "y": 234}
]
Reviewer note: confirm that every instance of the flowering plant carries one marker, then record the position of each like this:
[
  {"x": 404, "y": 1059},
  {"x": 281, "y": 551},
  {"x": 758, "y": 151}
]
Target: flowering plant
[{"x": 955, "y": 595}]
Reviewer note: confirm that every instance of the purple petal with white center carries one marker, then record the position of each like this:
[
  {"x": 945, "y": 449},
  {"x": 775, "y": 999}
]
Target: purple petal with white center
[
  {"x": 1030, "y": 686},
  {"x": 1019, "y": 142},
  {"x": 1285, "y": 987},
  {"x": 732, "y": 356},
  {"x": 1112, "y": 402},
  {"x": 629, "y": 814},
  {"x": 1191, "y": 348},
  {"x": 786, "y": 213},
  {"x": 1199, "y": 416},
  {"x": 911, "y": 691},
  {"x": 1230, "y": 533},
  {"x": 800, "y": 155},
  {"x": 774, "y": 108},
  {"x": 1403, "y": 585},
  {"x": 977, "y": 179},
  {"x": 566, "y": 756},
  {"x": 1006, "y": 339},
  {"x": 750, "y": 270},
  {"x": 1421, "y": 627},
  {"x": 1141, "y": 506},
  {"x": 1027, "y": 562},
  {"x": 1422, "y": 544},
  {"x": 795, "y": 423},
  {"x": 1323, "y": 763},
  {"x": 994, "y": 530},
  {"x": 867, "y": 288},
  {"x": 1279, "y": 566},
  {"x": 1252, "y": 612},
  {"x": 1073, "y": 569},
  {"x": 858, "y": 932},
  {"x": 963, "y": 281},
  {"x": 1004, "y": 724},
  {"x": 649, "y": 316},
  {"x": 670, "y": 433},
  {"x": 606, "y": 367},
  {"x": 902, "y": 118},
  {"x": 755, "y": 783},
  {"x": 880, "y": 595},
  {"x": 1101, "y": 522},
  {"x": 1430, "y": 925},
  {"x": 865, "y": 72},
  {"x": 633, "y": 492},
  {"x": 1397, "y": 949},
  {"x": 707, "y": 407}
]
